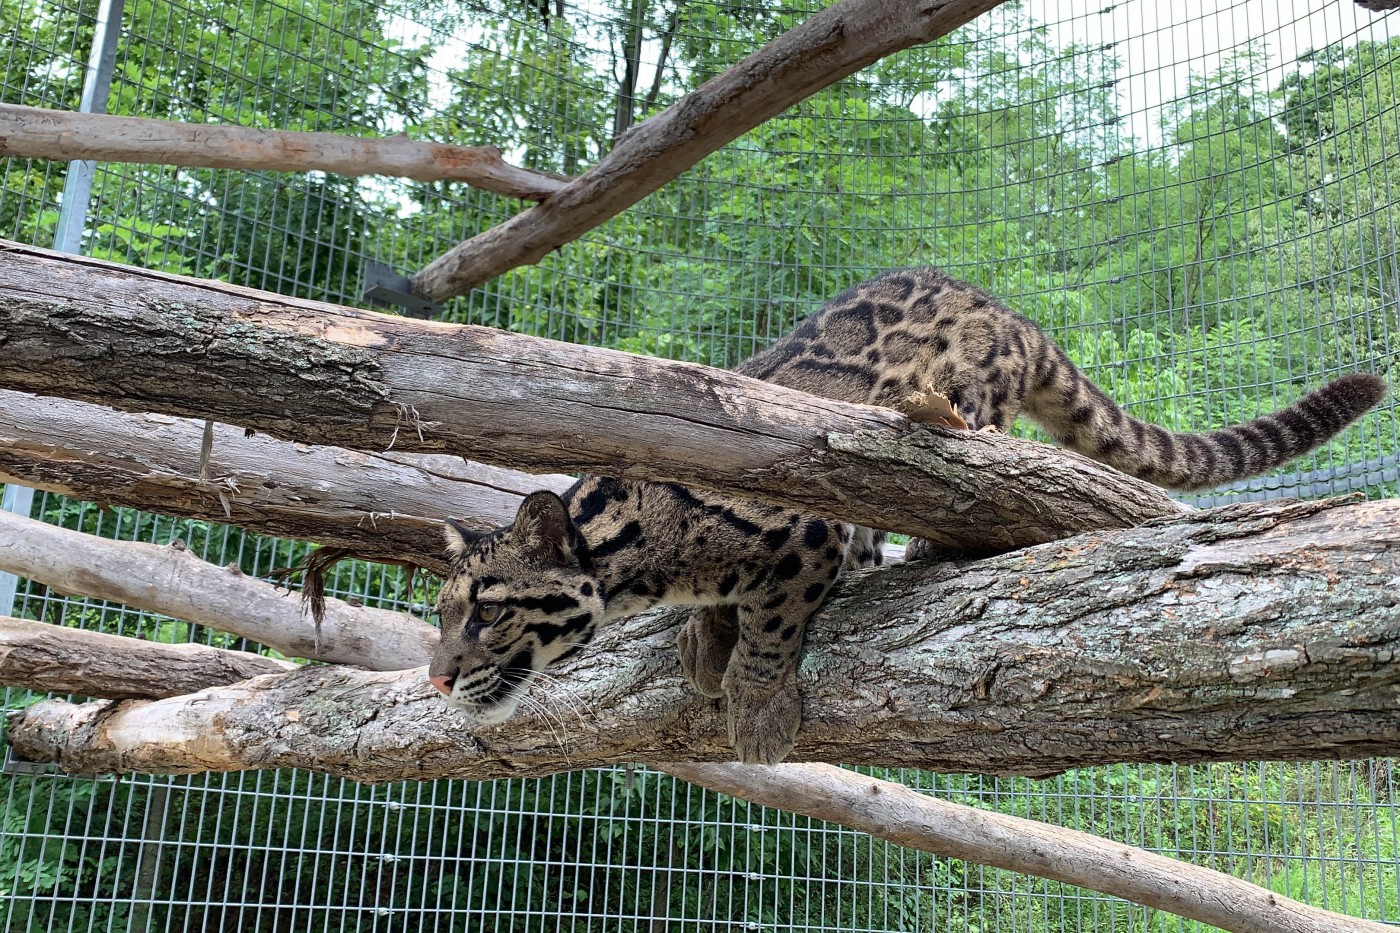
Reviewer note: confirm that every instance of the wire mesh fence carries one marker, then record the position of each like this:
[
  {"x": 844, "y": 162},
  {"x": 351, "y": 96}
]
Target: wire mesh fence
[{"x": 1199, "y": 204}]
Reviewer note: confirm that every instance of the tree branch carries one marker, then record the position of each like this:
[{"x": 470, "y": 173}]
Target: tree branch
[
  {"x": 56, "y": 134},
  {"x": 833, "y": 44},
  {"x": 98, "y": 332},
  {"x": 1262, "y": 631},
  {"x": 173, "y": 582},
  {"x": 56, "y": 659},
  {"x": 386, "y": 506}
]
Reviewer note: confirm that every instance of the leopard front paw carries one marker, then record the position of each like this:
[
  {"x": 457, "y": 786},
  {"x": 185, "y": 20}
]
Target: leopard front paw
[
  {"x": 763, "y": 727},
  {"x": 703, "y": 658}
]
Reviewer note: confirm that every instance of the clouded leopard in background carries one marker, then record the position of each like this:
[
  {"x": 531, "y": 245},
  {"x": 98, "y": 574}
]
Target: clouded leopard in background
[{"x": 526, "y": 595}]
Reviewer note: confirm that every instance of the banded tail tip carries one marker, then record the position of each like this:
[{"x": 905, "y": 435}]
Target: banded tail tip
[{"x": 1357, "y": 392}]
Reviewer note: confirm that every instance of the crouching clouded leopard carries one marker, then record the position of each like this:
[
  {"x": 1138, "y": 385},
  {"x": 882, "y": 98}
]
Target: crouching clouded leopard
[{"x": 534, "y": 592}]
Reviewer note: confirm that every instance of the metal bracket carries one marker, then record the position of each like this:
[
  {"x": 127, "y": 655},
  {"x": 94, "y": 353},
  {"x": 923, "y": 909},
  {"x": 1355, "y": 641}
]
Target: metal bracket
[{"x": 386, "y": 287}]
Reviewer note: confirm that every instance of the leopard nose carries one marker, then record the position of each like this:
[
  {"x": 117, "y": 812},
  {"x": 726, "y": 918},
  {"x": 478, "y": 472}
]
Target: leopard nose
[{"x": 443, "y": 682}]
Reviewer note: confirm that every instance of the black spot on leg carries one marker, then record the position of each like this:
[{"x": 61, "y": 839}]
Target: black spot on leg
[
  {"x": 835, "y": 569},
  {"x": 832, "y": 553},
  {"x": 726, "y": 586},
  {"x": 814, "y": 592},
  {"x": 776, "y": 538},
  {"x": 815, "y": 534},
  {"x": 773, "y": 624},
  {"x": 586, "y": 589},
  {"x": 776, "y": 601},
  {"x": 788, "y": 632},
  {"x": 787, "y": 568}
]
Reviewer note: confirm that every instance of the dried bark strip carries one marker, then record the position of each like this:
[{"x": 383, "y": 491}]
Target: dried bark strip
[
  {"x": 386, "y": 506},
  {"x": 55, "y": 134},
  {"x": 833, "y": 44},
  {"x": 52, "y": 658},
  {"x": 174, "y": 582},
  {"x": 98, "y": 332},
  {"x": 892, "y": 811},
  {"x": 1252, "y": 632}
]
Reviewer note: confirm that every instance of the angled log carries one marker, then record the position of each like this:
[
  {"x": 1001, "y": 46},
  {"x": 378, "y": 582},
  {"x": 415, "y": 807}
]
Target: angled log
[
  {"x": 894, "y": 812},
  {"x": 55, "y": 134},
  {"x": 381, "y": 506},
  {"x": 1243, "y": 633},
  {"x": 56, "y": 659},
  {"x": 98, "y": 332},
  {"x": 170, "y": 580},
  {"x": 833, "y": 44}
]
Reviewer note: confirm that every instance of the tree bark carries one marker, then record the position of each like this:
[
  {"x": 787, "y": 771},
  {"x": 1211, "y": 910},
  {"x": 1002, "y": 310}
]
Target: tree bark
[
  {"x": 54, "y": 134},
  {"x": 97, "y": 332},
  {"x": 55, "y": 659},
  {"x": 173, "y": 582},
  {"x": 1244, "y": 633},
  {"x": 833, "y": 44},
  {"x": 385, "y": 506}
]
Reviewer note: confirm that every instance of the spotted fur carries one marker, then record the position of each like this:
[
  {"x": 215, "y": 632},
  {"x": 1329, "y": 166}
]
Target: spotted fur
[{"x": 526, "y": 595}]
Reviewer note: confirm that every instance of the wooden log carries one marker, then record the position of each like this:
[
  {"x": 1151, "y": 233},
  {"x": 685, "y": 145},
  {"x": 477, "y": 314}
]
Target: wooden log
[
  {"x": 174, "y": 582},
  {"x": 98, "y": 332},
  {"x": 833, "y": 44},
  {"x": 894, "y": 812},
  {"x": 57, "y": 659},
  {"x": 381, "y": 506},
  {"x": 1244, "y": 633},
  {"x": 55, "y": 134}
]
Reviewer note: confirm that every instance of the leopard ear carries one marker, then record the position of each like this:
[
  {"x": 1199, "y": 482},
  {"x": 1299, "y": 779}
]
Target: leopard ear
[
  {"x": 543, "y": 529},
  {"x": 460, "y": 538}
]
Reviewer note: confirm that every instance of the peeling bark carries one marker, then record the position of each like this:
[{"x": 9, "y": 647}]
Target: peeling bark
[
  {"x": 54, "y": 134},
  {"x": 1244, "y": 633},
  {"x": 173, "y": 582},
  {"x": 55, "y": 659},
  {"x": 384, "y": 506},
  {"x": 98, "y": 332}
]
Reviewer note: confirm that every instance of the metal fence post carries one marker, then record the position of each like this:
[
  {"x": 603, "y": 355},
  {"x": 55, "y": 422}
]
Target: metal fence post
[{"x": 72, "y": 215}]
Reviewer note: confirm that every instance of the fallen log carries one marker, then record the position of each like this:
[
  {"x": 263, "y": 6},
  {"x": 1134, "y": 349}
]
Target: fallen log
[
  {"x": 1243, "y": 633},
  {"x": 891, "y": 811},
  {"x": 98, "y": 332}
]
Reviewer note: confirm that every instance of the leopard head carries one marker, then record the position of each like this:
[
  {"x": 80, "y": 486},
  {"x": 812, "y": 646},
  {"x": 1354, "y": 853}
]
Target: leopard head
[{"x": 516, "y": 600}]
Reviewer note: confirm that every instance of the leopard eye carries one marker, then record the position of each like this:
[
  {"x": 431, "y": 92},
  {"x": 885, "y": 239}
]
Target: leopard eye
[{"x": 488, "y": 612}]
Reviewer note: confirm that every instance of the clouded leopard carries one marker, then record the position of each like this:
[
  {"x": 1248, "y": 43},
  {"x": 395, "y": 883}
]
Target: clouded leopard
[{"x": 528, "y": 594}]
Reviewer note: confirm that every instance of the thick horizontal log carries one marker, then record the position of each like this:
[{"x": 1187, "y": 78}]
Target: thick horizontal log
[
  {"x": 892, "y": 811},
  {"x": 56, "y": 659},
  {"x": 55, "y": 134},
  {"x": 833, "y": 44},
  {"x": 384, "y": 506},
  {"x": 170, "y": 580},
  {"x": 139, "y": 340},
  {"x": 1244, "y": 633}
]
